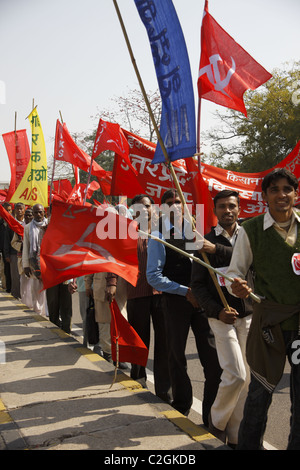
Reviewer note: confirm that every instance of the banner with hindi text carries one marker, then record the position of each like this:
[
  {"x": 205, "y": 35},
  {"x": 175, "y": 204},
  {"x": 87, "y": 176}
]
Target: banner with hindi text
[
  {"x": 155, "y": 179},
  {"x": 172, "y": 66},
  {"x": 33, "y": 188},
  {"x": 18, "y": 152}
]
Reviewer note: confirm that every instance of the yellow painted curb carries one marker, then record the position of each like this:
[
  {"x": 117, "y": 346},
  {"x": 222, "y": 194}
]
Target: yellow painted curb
[
  {"x": 195, "y": 432},
  {"x": 4, "y": 415},
  {"x": 90, "y": 355},
  {"x": 130, "y": 384}
]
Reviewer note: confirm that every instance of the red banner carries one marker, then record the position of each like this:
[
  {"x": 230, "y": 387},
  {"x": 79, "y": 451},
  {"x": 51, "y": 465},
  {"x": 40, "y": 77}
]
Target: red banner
[
  {"x": 248, "y": 184},
  {"x": 155, "y": 179},
  {"x": 84, "y": 240},
  {"x": 150, "y": 179},
  {"x": 18, "y": 151}
]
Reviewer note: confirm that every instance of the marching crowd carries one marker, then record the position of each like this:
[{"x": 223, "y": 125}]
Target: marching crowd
[{"x": 242, "y": 344}]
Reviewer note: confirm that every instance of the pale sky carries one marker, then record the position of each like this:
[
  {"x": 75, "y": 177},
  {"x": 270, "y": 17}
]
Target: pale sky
[{"x": 71, "y": 56}]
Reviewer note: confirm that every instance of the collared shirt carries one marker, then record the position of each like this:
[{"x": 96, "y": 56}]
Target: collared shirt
[
  {"x": 221, "y": 231},
  {"x": 242, "y": 254},
  {"x": 290, "y": 235},
  {"x": 155, "y": 264}
]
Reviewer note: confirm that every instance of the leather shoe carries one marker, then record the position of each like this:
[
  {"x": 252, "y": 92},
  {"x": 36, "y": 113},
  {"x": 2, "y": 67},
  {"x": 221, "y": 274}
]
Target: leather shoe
[
  {"x": 122, "y": 365},
  {"x": 107, "y": 357}
]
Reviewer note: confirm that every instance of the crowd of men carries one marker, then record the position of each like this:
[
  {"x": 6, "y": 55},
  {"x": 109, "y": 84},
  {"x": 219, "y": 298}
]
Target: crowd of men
[{"x": 242, "y": 344}]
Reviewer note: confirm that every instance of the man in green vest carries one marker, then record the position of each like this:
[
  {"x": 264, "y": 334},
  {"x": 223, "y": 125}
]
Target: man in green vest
[{"x": 270, "y": 243}]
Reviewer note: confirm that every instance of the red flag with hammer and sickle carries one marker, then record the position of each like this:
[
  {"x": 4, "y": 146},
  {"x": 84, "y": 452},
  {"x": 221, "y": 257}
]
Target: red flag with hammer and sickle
[
  {"x": 83, "y": 240},
  {"x": 226, "y": 70}
]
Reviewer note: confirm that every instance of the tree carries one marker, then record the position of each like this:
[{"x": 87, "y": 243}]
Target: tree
[
  {"x": 270, "y": 131},
  {"x": 131, "y": 113}
]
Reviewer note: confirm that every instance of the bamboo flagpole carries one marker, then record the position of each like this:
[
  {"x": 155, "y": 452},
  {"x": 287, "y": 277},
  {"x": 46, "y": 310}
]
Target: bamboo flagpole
[
  {"x": 205, "y": 257},
  {"x": 168, "y": 162}
]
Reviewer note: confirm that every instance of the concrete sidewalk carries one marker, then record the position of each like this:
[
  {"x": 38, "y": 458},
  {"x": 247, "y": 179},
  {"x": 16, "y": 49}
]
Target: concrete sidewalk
[{"x": 57, "y": 395}]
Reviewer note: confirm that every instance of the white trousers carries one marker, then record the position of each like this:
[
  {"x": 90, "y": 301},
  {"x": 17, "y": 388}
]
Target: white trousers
[
  {"x": 25, "y": 290},
  {"x": 39, "y": 303},
  {"x": 227, "y": 409},
  {"x": 105, "y": 337}
]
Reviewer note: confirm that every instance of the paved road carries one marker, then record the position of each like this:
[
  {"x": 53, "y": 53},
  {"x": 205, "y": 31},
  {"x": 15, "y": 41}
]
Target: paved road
[{"x": 277, "y": 431}]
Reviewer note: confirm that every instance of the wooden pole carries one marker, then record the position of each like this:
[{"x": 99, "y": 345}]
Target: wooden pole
[
  {"x": 205, "y": 257},
  {"x": 160, "y": 140},
  {"x": 16, "y": 140}
]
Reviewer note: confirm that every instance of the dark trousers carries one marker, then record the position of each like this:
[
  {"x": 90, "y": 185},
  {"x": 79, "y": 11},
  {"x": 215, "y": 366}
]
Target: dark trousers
[
  {"x": 15, "y": 276},
  {"x": 7, "y": 274},
  {"x": 259, "y": 399},
  {"x": 180, "y": 316},
  {"x": 139, "y": 312},
  {"x": 59, "y": 303}
]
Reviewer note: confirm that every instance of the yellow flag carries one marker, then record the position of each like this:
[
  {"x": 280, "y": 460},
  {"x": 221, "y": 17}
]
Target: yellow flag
[{"x": 33, "y": 188}]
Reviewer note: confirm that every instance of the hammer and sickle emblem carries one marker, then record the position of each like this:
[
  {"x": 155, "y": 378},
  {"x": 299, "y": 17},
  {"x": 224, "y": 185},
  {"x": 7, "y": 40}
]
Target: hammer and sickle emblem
[{"x": 213, "y": 73}]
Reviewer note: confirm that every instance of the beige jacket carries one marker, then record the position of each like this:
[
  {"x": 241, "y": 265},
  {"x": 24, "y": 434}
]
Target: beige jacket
[
  {"x": 97, "y": 282},
  {"x": 17, "y": 243}
]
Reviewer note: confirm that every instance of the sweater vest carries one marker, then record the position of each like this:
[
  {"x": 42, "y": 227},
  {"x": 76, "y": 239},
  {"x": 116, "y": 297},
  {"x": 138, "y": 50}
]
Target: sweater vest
[
  {"x": 177, "y": 268},
  {"x": 274, "y": 277}
]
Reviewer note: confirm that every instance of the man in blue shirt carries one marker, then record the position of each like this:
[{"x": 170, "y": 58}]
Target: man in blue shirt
[{"x": 169, "y": 271}]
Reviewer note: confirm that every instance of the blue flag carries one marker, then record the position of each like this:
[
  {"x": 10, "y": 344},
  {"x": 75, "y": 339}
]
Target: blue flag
[{"x": 178, "y": 124}]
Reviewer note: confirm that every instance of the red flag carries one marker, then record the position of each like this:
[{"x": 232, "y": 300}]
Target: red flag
[
  {"x": 124, "y": 184},
  {"x": 201, "y": 196},
  {"x": 78, "y": 192},
  {"x": 226, "y": 70},
  {"x": 110, "y": 137},
  {"x": 11, "y": 221},
  {"x": 125, "y": 340},
  {"x": 61, "y": 189},
  {"x": 84, "y": 240},
  {"x": 125, "y": 181},
  {"x": 3, "y": 195},
  {"x": 68, "y": 151},
  {"x": 18, "y": 151},
  {"x": 105, "y": 183}
]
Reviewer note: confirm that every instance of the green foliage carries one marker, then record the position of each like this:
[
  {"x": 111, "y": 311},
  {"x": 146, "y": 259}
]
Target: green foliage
[{"x": 270, "y": 131}]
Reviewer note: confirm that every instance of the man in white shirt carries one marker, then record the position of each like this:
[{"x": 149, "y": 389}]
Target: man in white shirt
[
  {"x": 33, "y": 234},
  {"x": 229, "y": 325}
]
